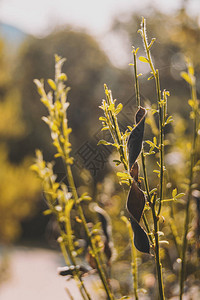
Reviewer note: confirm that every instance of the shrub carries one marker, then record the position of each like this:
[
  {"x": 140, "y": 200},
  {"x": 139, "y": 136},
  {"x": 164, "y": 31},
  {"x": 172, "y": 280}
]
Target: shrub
[{"x": 148, "y": 201}]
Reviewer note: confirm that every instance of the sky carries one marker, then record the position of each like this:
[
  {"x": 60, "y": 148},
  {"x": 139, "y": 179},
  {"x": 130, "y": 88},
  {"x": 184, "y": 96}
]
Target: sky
[{"x": 40, "y": 17}]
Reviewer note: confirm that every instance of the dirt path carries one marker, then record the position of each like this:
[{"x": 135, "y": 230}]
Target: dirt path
[{"x": 34, "y": 277}]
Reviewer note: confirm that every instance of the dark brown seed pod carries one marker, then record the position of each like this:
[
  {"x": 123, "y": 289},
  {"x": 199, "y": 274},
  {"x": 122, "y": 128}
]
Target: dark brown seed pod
[
  {"x": 69, "y": 270},
  {"x": 136, "y": 198},
  {"x": 136, "y": 137},
  {"x": 107, "y": 230},
  {"x": 141, "y": 240}
]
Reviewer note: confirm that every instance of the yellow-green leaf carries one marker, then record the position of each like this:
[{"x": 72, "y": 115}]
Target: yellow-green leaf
[
  {"x": 187, "y": 78},
  {"x": 174, "y": 193},
  {"x": 143, "y": 59},
  {"x": 191, "y": 103},
  {"x": 52, "y": 84},
  {"x": 151, "y": 77},
  {"x": 180, "y": 195},
  {"x": 102, "y": 142},
  {"x": 62, "y": 77},
  {"x": 47, "y": 212},
  {"x": 102, "y": 119},
  {"x": 119, "y": 108}
]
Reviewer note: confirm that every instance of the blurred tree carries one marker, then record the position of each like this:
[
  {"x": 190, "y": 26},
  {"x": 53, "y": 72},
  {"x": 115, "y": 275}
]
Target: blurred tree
[
  {"x": 87, "y": 67},
  {"x": 176, "y": 35},
  {"x": 18, "y": 186}
]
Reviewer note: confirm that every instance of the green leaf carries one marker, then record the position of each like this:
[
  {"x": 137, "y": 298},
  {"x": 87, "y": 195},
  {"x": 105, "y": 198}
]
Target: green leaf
[
  {"x": 116, "y": 146},
  {"x": 150, "y": 143},
  {"x": 157, "y": 172},
  {"x": 135, "y": 50},
  {"x": 117, "y": 162},
  {"x": 102, "y": 142},
  {"x": 186, "y": 76},
  {"x": 125, "y": 182},
  {"x": 124, "y": 219},
  {"x": 180, "y": 195},
  {"x": 160, "y": 233},
  {"x": 168, "y": 200},
  {"x": 151, "y": 152},
  {"x": 124, "y": 178},
  {"x": 47, "y": 212},
  {"x": 192, "y": 115},
  {"x": 123, "y": 175},
  {"x": 52, "y": 84},
  {"x": 151, "y": 77},
  {"x": 105, "y": 128},
  {"x": 119, "y": 108},
  {"x": 164, "y": 242},
  {"x": 143, "y": 59},
  {"x": 153, "y": 191},
  {"x": 58, "y": 155},
  {"x": 190, "y": 69},
  {"x": 111, "y": 107},
  {"x": 191, "y": 103},
  {"x": 174, "y": 193},
  {"x": 169, "y": 120},
  {"x": 84, "y": 197},
  {"x": 130, "y": 128},
  {"x": 151, "y": 44},
  {"x": 153, "y": 111},
  {"x": 62, "y": 77},
  {"x": 102, "y": 119}
]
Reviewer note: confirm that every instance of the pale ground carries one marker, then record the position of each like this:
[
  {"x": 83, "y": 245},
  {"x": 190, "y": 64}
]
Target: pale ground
[{"x": 33, "y": 276}]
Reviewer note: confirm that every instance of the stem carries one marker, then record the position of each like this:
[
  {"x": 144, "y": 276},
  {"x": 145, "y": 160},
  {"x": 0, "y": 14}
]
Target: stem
[
  {"x": 136, "y": 79},
  {"x": 68, "y": 253},
  {"x": 117, "y": 135},
  {"x": 69, "y": 294},
  {"x": 71, "y": 250},
  {"x": 64, "y": 253},
  {"x": 76, "y": 273},
  {"x": 161, "y": 146},
  {"x": 187, "y": 216},
  {"x": 58, "y": 123},
  {"x": 78, "y": 206},
  {"x": 157, "y": 252},
  {"x": 175, "y": 235},
  {"x": 148, "y": 194},
  {"x": 134, "y": 262},
  {"x": 145, "y": 176},
  {"x": 92, "y": 245},
  {"x": 161, "y": 152}
]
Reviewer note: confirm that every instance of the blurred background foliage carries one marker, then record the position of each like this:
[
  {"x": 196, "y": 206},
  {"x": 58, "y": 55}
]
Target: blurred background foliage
[
  {"x": 88, "y": 68},
  {"x": 19, "y": 188}
]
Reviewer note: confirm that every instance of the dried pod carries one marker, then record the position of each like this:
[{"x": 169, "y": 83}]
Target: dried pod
[
  {"x": 136, "y": 137},
  {"x": 136, "y": 197},
  {"x": 107, "y": 229},
  {"x": 136, "y": 201},
  {"x": 69, "y": 270},
  {"x": 141, "y": 239}
]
